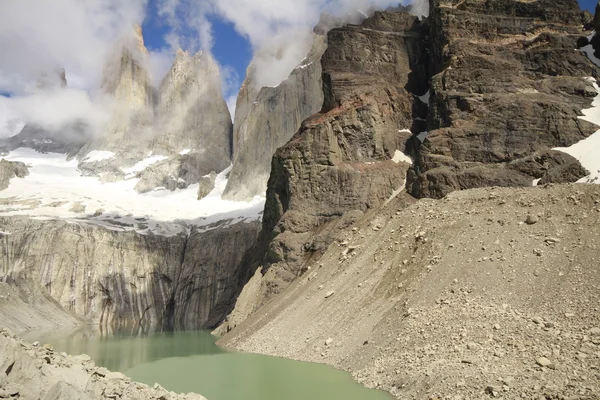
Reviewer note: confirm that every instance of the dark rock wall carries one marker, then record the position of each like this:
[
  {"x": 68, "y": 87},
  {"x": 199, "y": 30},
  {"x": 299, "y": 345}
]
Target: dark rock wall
[{"x": 506, "y": 85}]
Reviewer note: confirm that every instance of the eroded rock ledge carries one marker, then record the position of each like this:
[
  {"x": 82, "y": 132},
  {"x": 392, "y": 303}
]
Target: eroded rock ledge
[{"x": 33, "y": 371}]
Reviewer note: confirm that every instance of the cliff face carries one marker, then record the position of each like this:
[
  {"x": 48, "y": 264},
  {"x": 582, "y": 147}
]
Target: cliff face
[
  {"x": 506, "y": 88},
  {"x": 124, "y": 278},
  {"x": 476, "y": 95},
  {"x": 266, "y": 121},
  {"x": 348, "y": 158},
  {"x": 192, "y": 112}
]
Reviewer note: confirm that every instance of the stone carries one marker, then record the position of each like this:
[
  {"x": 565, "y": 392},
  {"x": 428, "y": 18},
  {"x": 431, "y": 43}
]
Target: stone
[
  {"x": 531, "y": 220},
  {"x": 77, "y": 208},
  {"x": 472, "y": 346},
  {"x": 544, "y": 362},
  {"x": 595, "y": 331},
  {"x": 82, "y": 358},
  {"x": 328, "y": 341},
  {"x": 329, "y": 294},
  {"x": 492, "y": 390},
  {"x": 117, "y": 376},
  {"x": 64, "y": 391},
  {"x": 10, "y": 170},
  {"x": 206, "y": 185}
]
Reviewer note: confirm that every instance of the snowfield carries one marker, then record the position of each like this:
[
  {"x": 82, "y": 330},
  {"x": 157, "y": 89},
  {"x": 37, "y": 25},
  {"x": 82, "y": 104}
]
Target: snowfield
[
  {"x": 587, "y": 151},
  {"x": 54, "y": 188}
]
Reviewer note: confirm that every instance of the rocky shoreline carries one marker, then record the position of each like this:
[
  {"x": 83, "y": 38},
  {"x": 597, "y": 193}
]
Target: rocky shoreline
[{"x": 34, "y": 371}]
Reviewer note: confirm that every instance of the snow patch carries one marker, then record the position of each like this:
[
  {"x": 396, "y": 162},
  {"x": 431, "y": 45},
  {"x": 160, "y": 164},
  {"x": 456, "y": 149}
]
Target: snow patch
[
  {"x": 589, "y": 52},
  {"x": 98, "y": 155},
  {"x": 142, "y": 165},
  {"x": 535, "y": 182},
  {"x": 184, "y": 152},
  {"x": 404, "y": 131},
  {"x": 400, "y": 156},
  {"x": 421, "y": 136},
  {"x": 303, "y": 66},
  {"x": 587, "y": 151},
  {"x": 396, "y": 192},
  {"x": 53, "y": 180}
]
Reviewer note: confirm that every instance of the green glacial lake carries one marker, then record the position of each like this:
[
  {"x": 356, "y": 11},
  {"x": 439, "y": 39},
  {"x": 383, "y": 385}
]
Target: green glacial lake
[{"x": 191, "y": 362}]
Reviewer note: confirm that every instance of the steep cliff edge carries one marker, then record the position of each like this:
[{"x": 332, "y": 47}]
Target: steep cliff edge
[
  {"x": 268, "y": 119},
  {"x": 125, "y": 278},
  {"x": 126, "y": 80},
  {"x": 348, "y": 158},
  {"x": 506, "y": 88}
]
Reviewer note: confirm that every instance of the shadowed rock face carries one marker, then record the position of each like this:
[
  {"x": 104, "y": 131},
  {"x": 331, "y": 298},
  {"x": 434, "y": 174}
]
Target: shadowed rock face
[
  {"x": 339, "y": 164},
  {"x": 266, "y": 121},
  {"x": 506, "y": 85},
  {"x": 124, "y": 278}
]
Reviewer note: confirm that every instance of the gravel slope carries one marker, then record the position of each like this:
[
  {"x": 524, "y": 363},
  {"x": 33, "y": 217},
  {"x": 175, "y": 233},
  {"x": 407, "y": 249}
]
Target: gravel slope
[{"x": 486, "y": 293}]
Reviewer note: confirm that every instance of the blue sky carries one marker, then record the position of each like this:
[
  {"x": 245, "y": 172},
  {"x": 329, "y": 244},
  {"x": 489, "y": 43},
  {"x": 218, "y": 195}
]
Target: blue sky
[{"x": 229, "y": 47}]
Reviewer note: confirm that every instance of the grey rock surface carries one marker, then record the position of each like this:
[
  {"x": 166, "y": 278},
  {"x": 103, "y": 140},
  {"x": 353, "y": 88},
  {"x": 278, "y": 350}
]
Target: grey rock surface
[
  {"x": 207, "y": 184},
  {"x": 266, "y": 119},
  {"x": 124, "y": 278},
  {"x": 10, "y": 170},
  {"x": 35, "y": 372}
]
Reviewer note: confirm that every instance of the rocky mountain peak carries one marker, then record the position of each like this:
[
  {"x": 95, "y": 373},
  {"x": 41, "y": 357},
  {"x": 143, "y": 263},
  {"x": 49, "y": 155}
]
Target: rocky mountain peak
[{"x": 139, "y": 39}]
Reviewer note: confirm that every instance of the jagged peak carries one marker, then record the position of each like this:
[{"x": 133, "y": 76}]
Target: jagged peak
[{"x": 138, "y": 36}]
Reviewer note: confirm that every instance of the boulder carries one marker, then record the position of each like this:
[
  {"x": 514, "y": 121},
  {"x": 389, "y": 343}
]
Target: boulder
[{"x": 10, "y": 170}]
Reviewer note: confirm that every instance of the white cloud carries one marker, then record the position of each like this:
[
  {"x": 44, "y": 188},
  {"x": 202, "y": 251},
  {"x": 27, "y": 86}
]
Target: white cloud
[
  {"x": 38, "y": 36},
  {"x": 55, "y": 110},
  {"x": 278, "y": 30},
  {"x": 43, "y": 36}
]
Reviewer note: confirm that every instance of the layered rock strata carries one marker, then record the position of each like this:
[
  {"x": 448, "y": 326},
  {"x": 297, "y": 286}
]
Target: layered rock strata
[
  {"x": 125, "y": 278},
  {"x": 347, "y": 159},
  {"x": 506, "y": 85}
]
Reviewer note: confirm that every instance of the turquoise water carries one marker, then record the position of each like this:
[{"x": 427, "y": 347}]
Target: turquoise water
[{"x": 191, "y": 362}]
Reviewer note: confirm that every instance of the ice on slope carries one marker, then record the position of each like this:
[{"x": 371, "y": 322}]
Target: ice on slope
[
  {"x": 98, "y": 155},
  {"x": 54, "y": 186},
  {"x": 587, "y": 151},
  {"x": 142, "y": 165}
]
